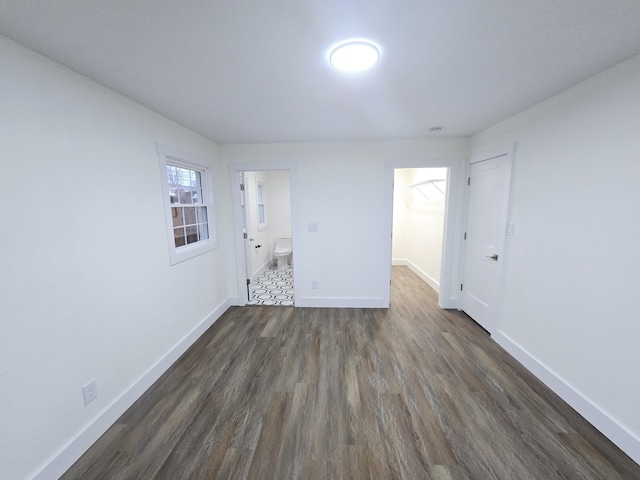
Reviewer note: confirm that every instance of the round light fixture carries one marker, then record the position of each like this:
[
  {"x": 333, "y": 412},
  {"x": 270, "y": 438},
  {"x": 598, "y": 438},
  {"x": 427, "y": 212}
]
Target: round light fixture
[{"x": 354, "y": 55}]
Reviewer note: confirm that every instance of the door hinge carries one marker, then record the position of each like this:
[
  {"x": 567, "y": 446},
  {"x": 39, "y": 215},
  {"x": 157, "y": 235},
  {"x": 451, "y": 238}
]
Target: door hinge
[
  {"x": 461, "y": 287},
  {"x": 245, "y": 236},
  {"x": 465, "y": 235},
  {"x": 468, "y": 180},
  {"x": 242, "y": 186},
  {"x": 248, "y": 281}
]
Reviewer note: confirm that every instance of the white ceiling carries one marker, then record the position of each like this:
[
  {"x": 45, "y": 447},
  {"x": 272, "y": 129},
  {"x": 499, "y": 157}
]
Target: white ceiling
[{"x": 242, "y": 71}]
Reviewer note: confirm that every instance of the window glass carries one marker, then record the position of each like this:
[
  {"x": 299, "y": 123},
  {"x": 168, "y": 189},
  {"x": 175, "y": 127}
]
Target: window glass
[
  {"x": 189, "y": 204},
  {"x": 262, "y": 206}
]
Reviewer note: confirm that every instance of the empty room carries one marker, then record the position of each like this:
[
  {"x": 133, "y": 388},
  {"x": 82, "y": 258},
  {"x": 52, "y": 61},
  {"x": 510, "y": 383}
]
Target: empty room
[{"x": 502, "y": 344}]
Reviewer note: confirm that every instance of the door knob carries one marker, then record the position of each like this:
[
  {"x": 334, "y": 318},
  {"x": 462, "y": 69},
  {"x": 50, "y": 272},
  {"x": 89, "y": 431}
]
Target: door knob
[{"x": 493, "y": 257}]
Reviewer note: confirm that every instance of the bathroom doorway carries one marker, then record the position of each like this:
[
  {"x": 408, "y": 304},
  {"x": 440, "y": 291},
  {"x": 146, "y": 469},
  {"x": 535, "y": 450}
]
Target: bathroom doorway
[
  {"x": 419, "y": 212},
  {"x": 265, "y": 204}
]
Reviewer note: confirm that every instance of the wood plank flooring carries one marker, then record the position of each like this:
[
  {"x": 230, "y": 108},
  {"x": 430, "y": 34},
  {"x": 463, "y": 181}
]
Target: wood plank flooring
[{"x": 412, "y": 392}]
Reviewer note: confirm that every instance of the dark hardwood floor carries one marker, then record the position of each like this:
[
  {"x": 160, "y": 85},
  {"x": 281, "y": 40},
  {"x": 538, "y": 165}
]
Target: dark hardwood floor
[{"x": 411, "y": 392}]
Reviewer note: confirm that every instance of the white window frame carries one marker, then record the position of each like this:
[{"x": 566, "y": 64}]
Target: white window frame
[
  {"x": 173, "y": 156},
  {"x": 261, "y": 201}
]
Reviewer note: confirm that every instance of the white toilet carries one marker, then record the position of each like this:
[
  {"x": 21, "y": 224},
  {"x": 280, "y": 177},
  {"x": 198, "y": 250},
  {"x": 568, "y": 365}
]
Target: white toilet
[{"x": 282, "y": 251}]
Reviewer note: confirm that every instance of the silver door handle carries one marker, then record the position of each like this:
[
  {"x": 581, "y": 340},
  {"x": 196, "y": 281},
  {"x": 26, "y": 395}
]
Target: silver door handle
[{"x": 493, "y": 257}]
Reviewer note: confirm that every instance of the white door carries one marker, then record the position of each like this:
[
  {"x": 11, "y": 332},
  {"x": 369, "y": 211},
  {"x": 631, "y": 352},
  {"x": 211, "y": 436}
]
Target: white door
[
  {"x": 489, "y": 180},
  {"x": 245, "y": 233}
]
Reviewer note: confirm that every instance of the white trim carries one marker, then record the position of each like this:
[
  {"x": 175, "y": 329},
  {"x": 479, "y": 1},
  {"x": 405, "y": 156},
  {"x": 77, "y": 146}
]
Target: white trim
[
  {"x": 237, "y": 301},
  {"x": 234, "y": 169},
  {"x": 492, "y": 153},
  {"x": 255, "y": 275},
  {"x": 626, "y": 440},
  {"x": 428, "y": 279},
  {"x": 387, "y": 213},
  {"x": 341, "y": 302},
  {"x": 74, "y": 449},
  {"x": 181, "y": 158},
  {"x": 449, "y": 274},
  {"x": 492, "y": 323}
]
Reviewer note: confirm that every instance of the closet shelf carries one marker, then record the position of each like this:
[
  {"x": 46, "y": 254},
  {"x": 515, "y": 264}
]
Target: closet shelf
[{"x": 433, "y": 182}]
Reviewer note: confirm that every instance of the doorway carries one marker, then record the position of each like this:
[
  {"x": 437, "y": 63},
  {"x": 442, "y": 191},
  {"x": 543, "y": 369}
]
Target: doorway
[
  {"x": 419, "y": 202},
  {"x": 263, "y": 221},
  {"x": 486, "y": 227},
  {"x": 448, "y": 296}
]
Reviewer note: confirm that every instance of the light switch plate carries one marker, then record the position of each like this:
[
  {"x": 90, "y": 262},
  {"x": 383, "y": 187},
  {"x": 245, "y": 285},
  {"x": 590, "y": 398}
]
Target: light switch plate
[{"x": 511, "y": 228}]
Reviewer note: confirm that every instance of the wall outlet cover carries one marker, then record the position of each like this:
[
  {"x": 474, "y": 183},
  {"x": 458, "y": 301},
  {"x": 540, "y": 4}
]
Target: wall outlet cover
[{"x": 90, "y": 392}]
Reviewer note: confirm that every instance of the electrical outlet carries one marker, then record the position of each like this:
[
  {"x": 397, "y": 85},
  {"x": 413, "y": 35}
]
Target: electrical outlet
[
  {"x": 314, "y": 284},
  {"x": 90, "y": 392}
]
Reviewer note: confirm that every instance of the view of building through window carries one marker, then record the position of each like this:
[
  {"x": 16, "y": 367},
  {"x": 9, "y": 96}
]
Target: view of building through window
[{"x": 189, "y": 214}]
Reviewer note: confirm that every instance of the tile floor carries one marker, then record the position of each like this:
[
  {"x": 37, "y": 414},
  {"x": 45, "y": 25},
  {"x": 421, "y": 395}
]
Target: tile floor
[{"x": 274, "y": 287}]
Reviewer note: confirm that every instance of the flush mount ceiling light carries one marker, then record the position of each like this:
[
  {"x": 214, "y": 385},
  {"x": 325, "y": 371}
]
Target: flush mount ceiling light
[{"x": 354, "y": 55}]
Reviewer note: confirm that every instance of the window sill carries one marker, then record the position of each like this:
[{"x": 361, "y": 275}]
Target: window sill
[{"x": 181, "y": 254}]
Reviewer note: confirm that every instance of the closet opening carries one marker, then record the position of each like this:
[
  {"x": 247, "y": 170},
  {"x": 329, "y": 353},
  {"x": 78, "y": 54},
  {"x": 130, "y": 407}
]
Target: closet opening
[{"x": 419, "y": 214}]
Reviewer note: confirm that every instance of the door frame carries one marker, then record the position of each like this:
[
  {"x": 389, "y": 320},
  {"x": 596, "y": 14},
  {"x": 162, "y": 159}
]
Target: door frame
[
  {"x": 448, "y": 297},
  {"x": 507, "y": 151},
  {"x": 245, "y": 226},
  {"x": 241, "y": 297}
]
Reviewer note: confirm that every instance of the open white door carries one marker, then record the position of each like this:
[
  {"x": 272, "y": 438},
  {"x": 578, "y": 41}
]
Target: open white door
[
  {"x": 246, "y": 233},
  {"x": 489, "y": 181}
]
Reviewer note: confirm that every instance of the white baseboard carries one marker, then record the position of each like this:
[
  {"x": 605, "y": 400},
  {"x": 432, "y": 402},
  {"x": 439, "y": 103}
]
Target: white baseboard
[
  {"x": 337, "y": 302},
  {"x": 255, "y": 275},
  {"x": 73, "y": 450},
  {"x": 237, "y": 301},
  {"x": 627, "y": 441},
  {"x": 424, "y": 276}
]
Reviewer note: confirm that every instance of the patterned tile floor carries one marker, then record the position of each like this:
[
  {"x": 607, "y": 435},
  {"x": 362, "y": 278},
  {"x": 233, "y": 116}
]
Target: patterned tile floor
[{"x": 274, "y": 287}]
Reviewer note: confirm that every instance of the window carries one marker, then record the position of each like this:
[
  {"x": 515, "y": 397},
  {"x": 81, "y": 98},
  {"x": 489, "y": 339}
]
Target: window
[
  {"x": 262, "y": 206},
  {"x": 188, "y": 201},
  {"x": 189, "y": 215}
]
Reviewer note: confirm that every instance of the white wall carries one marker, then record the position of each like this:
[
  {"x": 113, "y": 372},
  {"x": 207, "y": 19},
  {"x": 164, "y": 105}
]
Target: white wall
[
  {"x": 279, "y": 191},
  {"x": 86, "y": 287},
  {"x": 341, "y": 188},
  {"x": 418, "y": 222},
  {"x": 572, "y": 270}
]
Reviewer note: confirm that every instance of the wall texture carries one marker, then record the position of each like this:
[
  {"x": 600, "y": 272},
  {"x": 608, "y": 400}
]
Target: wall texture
[
  {"x": 86, "y": 287},
  {"x": 572, "y": 269}
]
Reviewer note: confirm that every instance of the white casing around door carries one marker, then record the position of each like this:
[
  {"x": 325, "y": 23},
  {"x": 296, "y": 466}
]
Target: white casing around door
[{"x": 489, "y": 181}]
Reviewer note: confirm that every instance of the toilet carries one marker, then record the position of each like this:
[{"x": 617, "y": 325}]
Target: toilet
[{"x": 282, "y": 251}]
